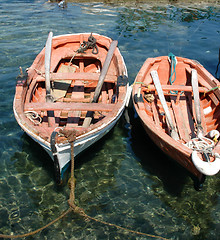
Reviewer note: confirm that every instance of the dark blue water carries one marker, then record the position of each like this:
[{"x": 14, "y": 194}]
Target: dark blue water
[{"x": 124, "y": 179}]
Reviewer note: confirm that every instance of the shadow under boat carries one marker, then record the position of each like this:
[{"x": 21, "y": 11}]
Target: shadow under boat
[
  {"x": 40, "y": 158},
  {"x": 155, "y": 162}
]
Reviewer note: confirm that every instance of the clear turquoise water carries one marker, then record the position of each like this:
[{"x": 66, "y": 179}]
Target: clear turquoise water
[{"x": 123, "y": 179}]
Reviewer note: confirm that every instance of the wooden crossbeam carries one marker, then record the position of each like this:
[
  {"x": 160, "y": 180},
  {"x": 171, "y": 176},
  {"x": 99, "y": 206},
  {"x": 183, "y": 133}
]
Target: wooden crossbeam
[
  {"x": 58, "y": 106},
  {"x": 78, "y": 76},
  {"x": 151, "y": 87}
]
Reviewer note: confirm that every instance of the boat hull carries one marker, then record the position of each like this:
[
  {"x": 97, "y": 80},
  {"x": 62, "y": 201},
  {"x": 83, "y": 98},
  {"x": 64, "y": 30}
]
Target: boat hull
[
  {"x": 76, "y": 79},
  {"x": 182, "y": 157},
  {"x": 63, "y": 151},
  {"x": 168, "y": 105}
]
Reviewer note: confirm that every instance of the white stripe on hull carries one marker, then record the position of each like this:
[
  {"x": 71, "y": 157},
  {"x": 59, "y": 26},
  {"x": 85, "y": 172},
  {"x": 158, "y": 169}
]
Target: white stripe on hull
[{"x": 82, "y": 143}]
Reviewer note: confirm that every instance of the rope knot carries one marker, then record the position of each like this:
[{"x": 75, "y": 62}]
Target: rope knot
[
  {"x": 91, "y": 43},
  {"x": 69, "y": 134},
  {"x": 77, "y": 209}
]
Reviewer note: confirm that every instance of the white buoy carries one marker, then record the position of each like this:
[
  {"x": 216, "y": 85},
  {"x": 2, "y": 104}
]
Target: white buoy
[{"x": 207, "y": 168}]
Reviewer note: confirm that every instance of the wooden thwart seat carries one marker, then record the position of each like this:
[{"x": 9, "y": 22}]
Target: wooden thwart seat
[
  {"x": 58, "y": 106},
  {"x": 151, "y": 87},
  {"x": 78, "y": 76}
]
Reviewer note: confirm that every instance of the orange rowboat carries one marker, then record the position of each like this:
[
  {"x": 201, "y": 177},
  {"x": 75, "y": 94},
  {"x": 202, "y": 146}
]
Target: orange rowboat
[
  {"x": 177, "y": 101},
  {"x": 75, "y": 91}
]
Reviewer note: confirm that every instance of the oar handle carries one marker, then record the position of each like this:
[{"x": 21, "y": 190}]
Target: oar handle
[{"x": 47, "y": 66}]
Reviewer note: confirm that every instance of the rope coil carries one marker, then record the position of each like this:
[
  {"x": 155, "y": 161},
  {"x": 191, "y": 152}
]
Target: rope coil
[
  {"x": 173, "y": 62},
  {"x": 71, "y": 136},
  {"x": 90, "y": 44},
  {"x": 33, "y": 117},
  {"x": 202, "y": 145}
]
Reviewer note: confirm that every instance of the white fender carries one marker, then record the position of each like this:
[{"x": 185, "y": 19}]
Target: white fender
[{"x": 207, "y": 168}]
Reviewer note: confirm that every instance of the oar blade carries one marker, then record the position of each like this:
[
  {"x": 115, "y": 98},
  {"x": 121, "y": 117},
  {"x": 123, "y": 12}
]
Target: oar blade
[
  {"x": 105, "y": 69},
  {"x": 158, "y": 87},
  {"x": 87, "y": 121},
  {"x": 195, "y": 87}
]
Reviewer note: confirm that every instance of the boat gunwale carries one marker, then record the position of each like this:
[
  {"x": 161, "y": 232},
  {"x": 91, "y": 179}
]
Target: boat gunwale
[
  {"x": 119, "y": 106},
  {"x": 89, "y": 131},
  {"x": 157, "y": 132}
]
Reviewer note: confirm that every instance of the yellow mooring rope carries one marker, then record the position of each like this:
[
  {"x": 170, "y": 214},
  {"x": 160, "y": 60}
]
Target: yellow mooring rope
[{"x": 76, "y": 209}]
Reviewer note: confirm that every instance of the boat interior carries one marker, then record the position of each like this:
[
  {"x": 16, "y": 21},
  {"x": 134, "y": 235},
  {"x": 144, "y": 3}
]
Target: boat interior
[
  {"x": 179, "y": 97},
  {"x": 73, "y": 83}
]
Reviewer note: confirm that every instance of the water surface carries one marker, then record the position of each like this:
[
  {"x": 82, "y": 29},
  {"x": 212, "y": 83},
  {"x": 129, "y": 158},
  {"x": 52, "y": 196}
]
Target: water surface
[{"x": 124, "y": 179}]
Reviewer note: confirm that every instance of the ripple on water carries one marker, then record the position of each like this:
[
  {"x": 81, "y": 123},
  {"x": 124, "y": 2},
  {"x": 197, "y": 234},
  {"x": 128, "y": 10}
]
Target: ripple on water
[{"x": 124, "y": 179}]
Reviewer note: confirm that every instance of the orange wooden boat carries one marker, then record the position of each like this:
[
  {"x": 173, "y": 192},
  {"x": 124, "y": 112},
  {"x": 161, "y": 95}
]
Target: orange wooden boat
[
  {"x": 75, "y": 90},
  {"x": 177, "y": 100}
]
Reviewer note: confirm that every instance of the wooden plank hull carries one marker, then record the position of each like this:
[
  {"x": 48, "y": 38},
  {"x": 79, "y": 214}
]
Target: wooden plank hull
[
  {"x": 180, "y": 155},
  {"x": 74, "y": 75},
  {"x": 180, "y": 100}
]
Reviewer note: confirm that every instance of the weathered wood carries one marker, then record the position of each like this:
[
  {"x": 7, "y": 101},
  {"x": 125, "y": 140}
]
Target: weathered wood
[
  {"x": 157, "y": 84},
  {"x": 105, "y": 69},
  {"x": 86, "y": 76},
  {"x": 179, "y": 88},
  {"x": 197, "y": 106},
  {"x": 102, "y": 76},
  {"x": 73, "y": 118},
  {"x": 208, "y": 84},
  {"x": 78, "y": 90},
  {"x": 85, "y": 67},
  {"x": 155, "y": 113},
  {"x": 47, "y": 66},
  {"x": 180, "y": 119},
  {"x": 110, "y": 92},
  {"x": 68, "y": 106},
  {"x": 49, "y": 97},
  {"x": 203, "y": 123},
  {"x": 181, "y": 106},
  {"x": 187, "y": 108}
]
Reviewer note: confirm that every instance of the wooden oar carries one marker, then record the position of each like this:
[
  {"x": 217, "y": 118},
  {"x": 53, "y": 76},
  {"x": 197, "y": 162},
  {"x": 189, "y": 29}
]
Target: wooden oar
[
  {"x": 49, "y": 97},
  {"x": 158, "y": 87},
  {"x": 195, "y": 87},
  {"x": 206, "y": 167},
  {"x": 102, "y": 76},
  {"x": 48, "y": 46}
]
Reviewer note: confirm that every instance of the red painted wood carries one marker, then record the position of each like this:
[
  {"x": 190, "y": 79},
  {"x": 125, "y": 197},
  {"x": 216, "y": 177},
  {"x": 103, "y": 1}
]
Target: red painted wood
[{"x": 181, "y": 108}]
